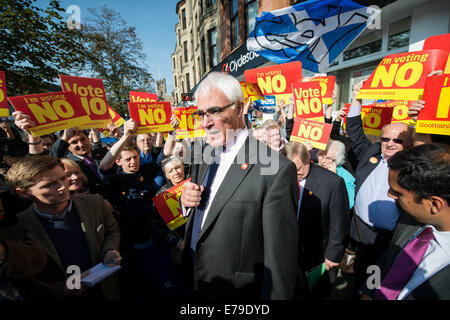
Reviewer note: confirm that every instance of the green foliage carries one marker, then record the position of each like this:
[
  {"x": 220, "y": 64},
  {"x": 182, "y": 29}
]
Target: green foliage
[
  {"x": 113, "y": 53},
  {"x": 35, "y": 45}
]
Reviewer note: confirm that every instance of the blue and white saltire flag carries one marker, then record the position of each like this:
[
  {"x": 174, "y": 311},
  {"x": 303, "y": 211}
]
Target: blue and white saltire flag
[{"x": 314, "y": 32}]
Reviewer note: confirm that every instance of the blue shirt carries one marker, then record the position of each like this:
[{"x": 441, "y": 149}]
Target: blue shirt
[
  {"x": 159, "y": 179},
  {"x": 372, "y": 203},
  {"x": 349, "y": 184}
]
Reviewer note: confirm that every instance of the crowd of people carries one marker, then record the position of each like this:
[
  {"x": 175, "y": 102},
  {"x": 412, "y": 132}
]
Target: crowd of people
[{"x": 263, "y": 213}]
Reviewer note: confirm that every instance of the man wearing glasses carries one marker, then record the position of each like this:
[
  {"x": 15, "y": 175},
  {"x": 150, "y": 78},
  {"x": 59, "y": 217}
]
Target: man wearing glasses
[
  {"x": 376, "y": 212},
  {"x": 241, "y": 235}
]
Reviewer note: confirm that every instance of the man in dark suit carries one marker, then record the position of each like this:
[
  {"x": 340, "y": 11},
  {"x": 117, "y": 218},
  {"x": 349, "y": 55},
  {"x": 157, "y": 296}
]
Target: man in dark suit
[
  {"x": 417, "y": 264},
  {"x": 323, "y": 215},
  {"x": 241, "y": 237},
  {"x": 77, "y": 230},
  {"x": 376, "y": 213}
]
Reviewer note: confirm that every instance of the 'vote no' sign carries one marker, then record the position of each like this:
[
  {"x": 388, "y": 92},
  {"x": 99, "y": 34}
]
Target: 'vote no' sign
[
  {"x": 93, "y": 99},
  {"x": 151, "y": 116},
  {"x": 4, "y": 111},
  {"x": 435, "y": 116},
  {"x": 316, "y": 133},
  {"x": 51, "y": 111}
]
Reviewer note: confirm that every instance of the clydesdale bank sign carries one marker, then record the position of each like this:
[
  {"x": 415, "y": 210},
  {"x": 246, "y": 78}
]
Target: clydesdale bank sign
[{"x": 239, "y": 61}]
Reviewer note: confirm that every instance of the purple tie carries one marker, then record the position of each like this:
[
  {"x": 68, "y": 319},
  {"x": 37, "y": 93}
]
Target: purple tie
[
  {"x": 404, "y": 267},
  {"x": 91, "y": 165}
]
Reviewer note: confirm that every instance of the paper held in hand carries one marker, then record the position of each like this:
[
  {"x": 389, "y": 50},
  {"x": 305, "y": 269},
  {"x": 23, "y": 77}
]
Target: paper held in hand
[{"x": 98, "y": 273}]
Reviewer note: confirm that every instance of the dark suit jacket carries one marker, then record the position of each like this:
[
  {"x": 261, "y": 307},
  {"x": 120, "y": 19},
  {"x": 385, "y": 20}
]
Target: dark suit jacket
[
  {"x": 324, "y": 218},
  {"x": 363, "y": 149},
  {"x": 247, "y": 247},
  {"x": 51, "y": 281},
  {"x": 435, "y": 288}
]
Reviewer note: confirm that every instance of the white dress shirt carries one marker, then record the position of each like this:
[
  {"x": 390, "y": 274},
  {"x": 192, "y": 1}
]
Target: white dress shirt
[
  {"x": 435, "y": 259},
  {"x": 225, "y": 160}
]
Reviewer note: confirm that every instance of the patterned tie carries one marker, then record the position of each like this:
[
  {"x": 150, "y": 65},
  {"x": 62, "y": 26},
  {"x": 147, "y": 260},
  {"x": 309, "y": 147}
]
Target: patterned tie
[
  {"x": 91, "y": 165},
  {"x": 200, "y": 210},
  {"x": 404, "y": 266}
]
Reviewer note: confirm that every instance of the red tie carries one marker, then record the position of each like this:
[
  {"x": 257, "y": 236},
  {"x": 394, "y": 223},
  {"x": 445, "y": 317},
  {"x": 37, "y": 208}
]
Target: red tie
[{"x": 403, "y": 268}]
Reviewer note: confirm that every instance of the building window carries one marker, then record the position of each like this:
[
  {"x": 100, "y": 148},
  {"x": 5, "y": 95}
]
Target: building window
[
  {"x": 185, "y": 51},
  {"x": 175, "y": 81},
  {"x": 251, "y": 12},
  {"x": 210, "y": 3},
  {"x": 234, "y": 17},
  {"x": 399, "y": 33},
  {"x": 212, "y": 47},
  {"x": 364, "y": 45},
  {"x": 181, "y": 64},
  {"x": 188, "y": 83},
  {"x": 203, "y": 53},
  {"x": 183, "y": 18},
  {"x": 174, "y": 65}
]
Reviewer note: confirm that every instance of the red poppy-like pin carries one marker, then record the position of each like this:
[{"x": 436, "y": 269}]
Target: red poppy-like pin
[
  {"x": 244, "y": 166},
  {"x": 373, "y": 160}
]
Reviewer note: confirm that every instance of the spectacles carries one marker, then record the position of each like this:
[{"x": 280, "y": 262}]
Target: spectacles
[
  {"x": 397, "y": 141},
  {"x": 213, "y": 113},
  {"x": 324, "y": 157}
]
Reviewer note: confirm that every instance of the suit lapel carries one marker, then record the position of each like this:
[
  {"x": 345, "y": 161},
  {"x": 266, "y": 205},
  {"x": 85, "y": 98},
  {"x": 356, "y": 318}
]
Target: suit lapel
[
  {"x": 230, "y": 183},
  {"x": 37, "y": 232},
  {"x": 307, "y": 193},
  {"x": 85, "y": 212}
]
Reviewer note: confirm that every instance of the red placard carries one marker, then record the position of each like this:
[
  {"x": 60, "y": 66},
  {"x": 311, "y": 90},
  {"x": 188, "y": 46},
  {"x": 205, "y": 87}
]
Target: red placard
[
  {"x": 4, "y": 110},
  {"x": 277, "y": 79},
  {"x": 251, "y": 90},
  {"x": 168, "y": 206},
  {"x": 375, "y": 118},
  {"x": 400, "y": 111},
  {"x": 308, "y": 100},
  {"x": 402, "y": 76},
  {"x": 316, "y": 133},
  {"x": 93, "y": 99},
  {"x": 435, "y": 116},
  {"x": 188, "y": 127},
  {"x": 327, "y": 87},
  {"x": 136, "y": 96},
  {"x": 441, "y": 42},
  {"x": 51, "y": 111},
  {"x": 151, "y": 116}
]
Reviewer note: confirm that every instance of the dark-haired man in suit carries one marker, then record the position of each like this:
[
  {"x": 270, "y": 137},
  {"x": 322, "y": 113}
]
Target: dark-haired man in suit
[{"x": 417, "y": 264}]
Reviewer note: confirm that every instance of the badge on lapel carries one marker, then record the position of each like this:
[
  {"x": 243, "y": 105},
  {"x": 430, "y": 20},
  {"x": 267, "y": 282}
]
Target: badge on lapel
[
  {"x": 244, "y": 166},
  {"x": 373, "y": 160}
]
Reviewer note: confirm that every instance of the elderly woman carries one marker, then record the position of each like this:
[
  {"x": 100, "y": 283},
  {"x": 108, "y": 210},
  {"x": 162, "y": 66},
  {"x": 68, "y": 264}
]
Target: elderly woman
[
  {"x": 173, "y": 169},
  {"x": 332, "y": 158}
]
